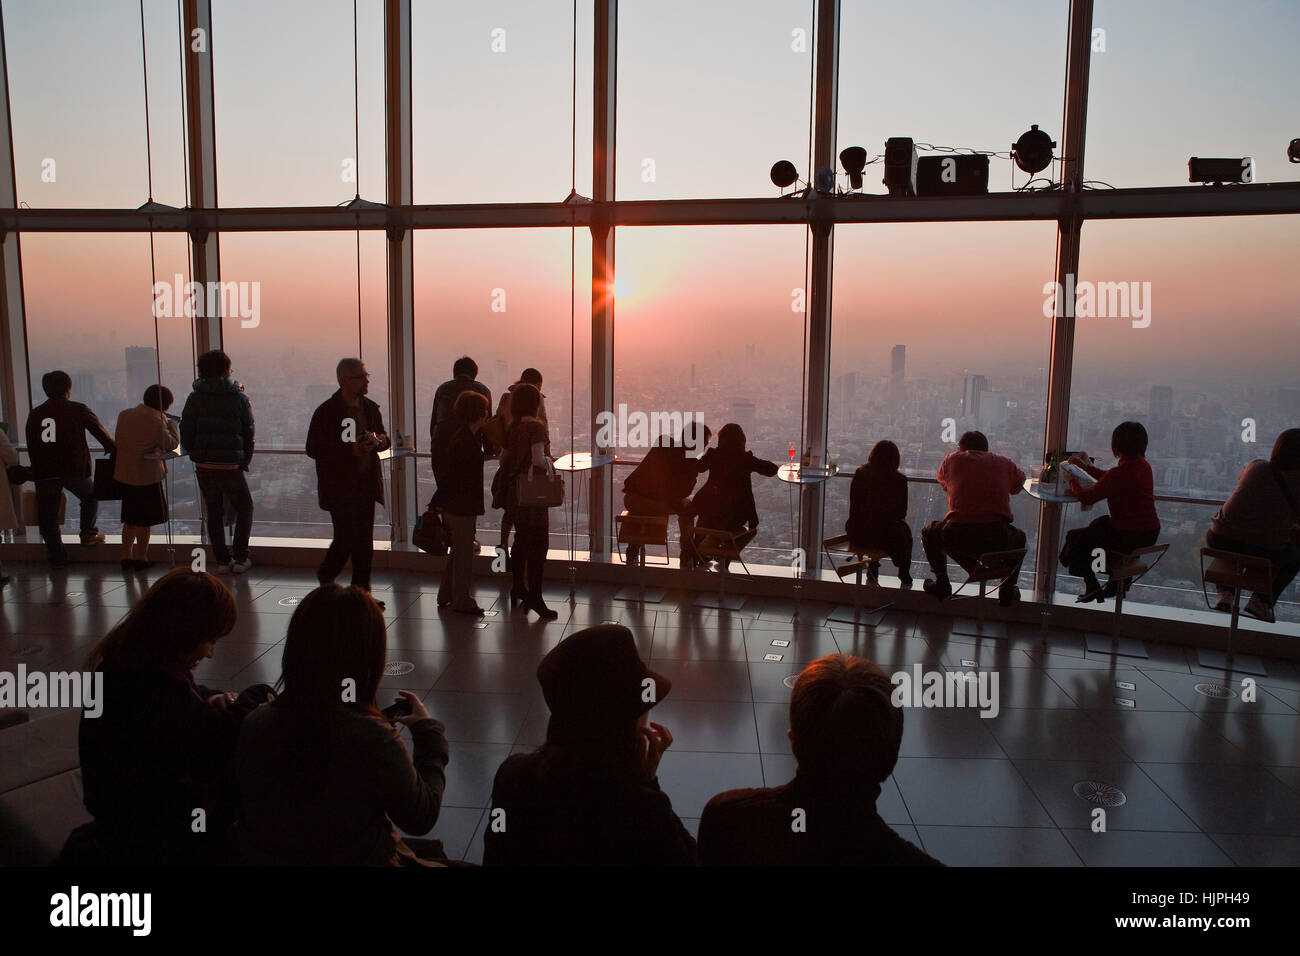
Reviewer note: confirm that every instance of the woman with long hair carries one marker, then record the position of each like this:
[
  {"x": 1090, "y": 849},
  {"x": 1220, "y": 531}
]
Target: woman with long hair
[
  {"x": 322, "y": 770},
  {"x": 457, "y": 452},
  {"x": 158, "y": 753},
  {"x": 527, "y": 447},
  {"x": 1262, "y": 517},
  {"x": 878, "y": 512}
]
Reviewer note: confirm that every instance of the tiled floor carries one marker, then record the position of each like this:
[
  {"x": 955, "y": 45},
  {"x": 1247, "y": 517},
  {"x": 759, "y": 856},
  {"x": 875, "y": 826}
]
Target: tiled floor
[{"x": 1206, "y": 781}]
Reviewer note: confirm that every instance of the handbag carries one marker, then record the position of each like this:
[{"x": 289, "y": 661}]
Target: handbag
[
  {"x": 18, "y": 474},
  {"x": 429, "y": 535},
  {"x": 107, "y": 488},
  {"x": 539, "y": 491}
]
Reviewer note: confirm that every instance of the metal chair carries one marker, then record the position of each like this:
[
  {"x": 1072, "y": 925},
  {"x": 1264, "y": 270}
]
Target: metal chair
[
  {"x": 862, "y": 559},
  {"x": 1241, "y": 572},
  {"x": 1123, "y": 570},
  {"x": 723, "y": 547},
  {"x": 641, "y": 531},
  {"x": 999, "y": 566}
]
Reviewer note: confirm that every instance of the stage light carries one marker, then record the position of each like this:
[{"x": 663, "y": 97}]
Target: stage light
[
  {"x": 824, "y": 181},
  {"x": 1033, "y": 150},
  {"x": 1293, "y": 151},
  {"x": 900, "y": 166},
  {"x": 784, "y": 174},
  {"x": 1219, "y": 171},
  {"x": 854, "y": 160}
]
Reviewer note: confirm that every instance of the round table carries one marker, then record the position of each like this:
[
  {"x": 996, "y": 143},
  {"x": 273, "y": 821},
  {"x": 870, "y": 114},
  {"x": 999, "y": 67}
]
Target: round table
[{"x": 572, "y": 463}]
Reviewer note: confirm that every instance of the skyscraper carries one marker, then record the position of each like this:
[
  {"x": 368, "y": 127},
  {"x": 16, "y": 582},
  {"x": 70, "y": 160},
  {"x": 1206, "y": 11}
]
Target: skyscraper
[
  {"x": 141, "y": 372},
  {"x": 1162, "y": 403},
  {"x": 970, "y": 397},
  {"x": 897, "y": 363}
]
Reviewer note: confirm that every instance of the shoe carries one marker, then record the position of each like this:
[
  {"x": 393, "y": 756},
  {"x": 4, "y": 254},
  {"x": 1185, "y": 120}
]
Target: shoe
[
  {"x": 239, "y": 567},
  {"x": 93, "y": 538},
  {"x": 1260, "y": 608},
  {"x": 1096, "y": 594},
  {"x": 517, "y": 598},
  {"x": 905, "y": 584},
  {"x": 4, "y": 579},
  {"x": 544, "y": 612},
  {"x": 1008, "y": 596},
  {"x": 475, "y": 610},
  {"x": 221, "y": 567},
  {"x": 442, "y": 603},
  {"x": 940, "y": 589}
]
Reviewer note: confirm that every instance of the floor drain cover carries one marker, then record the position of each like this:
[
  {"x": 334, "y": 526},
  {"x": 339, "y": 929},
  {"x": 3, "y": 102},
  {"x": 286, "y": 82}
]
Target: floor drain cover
[
  {"x": 790, "y": 681},
  {"x": 1217, "y": 691},
  {"x": 1100, "y": 794},
  {"x": 398, "y": 668},
  {"x": 289, "y": 601}
]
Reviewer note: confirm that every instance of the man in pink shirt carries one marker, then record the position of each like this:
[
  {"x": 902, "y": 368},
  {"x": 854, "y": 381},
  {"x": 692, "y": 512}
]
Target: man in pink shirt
[{"x": 979, "y": 486}]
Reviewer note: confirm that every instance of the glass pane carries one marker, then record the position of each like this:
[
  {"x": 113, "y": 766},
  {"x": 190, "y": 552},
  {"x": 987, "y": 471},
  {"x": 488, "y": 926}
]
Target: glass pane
[
  {"x": 76, "y": 92},
  {"x": 493, "y": 99},
  {"x": 1209, "y": 369},
  {"x": 284, "y": 90},
  {"x": 951, "y": 73},
  {"x": 1179, "y": 79},
  {"x": 502, "y": 297},
  {"x": 706, "y": 326},
  {"x": 974, "y": 352},
  {"x": 710, "y": 95}
]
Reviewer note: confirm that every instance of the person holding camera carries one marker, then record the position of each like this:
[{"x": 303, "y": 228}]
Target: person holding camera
[{"x": 345, "y": 438}]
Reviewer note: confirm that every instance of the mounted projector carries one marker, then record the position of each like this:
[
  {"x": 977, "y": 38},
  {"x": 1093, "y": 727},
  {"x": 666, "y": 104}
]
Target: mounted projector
[
  {"x": 1220, "y": 171},
  {"x": 956, "y": 174},
  {"x": 900, "y": 166}
]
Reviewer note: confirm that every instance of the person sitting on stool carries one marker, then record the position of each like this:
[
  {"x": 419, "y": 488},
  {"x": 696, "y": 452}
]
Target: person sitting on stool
[
  {"x": 1129, "y": 491},
  {"x": 979, "y": 486},
  {"x": 662, "y": 484},
  {"x": 726, "y": 502},
  {"x": 878, "y": 512}
]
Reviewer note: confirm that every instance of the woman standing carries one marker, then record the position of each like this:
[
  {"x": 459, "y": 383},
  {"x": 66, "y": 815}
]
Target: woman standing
[
  {"x": 458, "y": 469},
  {"x": 526, "y": 450},
  {"x": 143, "y": 430},
  {"x": 8, "y": 515}
]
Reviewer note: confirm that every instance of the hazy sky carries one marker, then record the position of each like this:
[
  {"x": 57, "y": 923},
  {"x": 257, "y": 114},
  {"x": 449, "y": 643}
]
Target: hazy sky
[{"x": 710, "y": 95}]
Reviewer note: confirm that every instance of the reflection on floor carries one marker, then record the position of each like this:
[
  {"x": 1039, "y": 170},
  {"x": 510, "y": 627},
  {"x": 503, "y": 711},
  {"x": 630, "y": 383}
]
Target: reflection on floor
[{"x": 1209, "y": 778}]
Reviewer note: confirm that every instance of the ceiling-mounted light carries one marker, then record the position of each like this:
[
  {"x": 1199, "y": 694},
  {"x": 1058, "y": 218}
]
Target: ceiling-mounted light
[
  {"x": 854, "y": 160},
  {"x": 1293, "y": 151},
  {"x": 1033, "y": 150},
  {"x": 784, "y": 174}
]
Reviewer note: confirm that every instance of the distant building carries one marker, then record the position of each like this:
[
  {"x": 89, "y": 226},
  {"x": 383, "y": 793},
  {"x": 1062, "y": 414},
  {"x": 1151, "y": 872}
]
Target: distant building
[
  {"x": 897, "y": 365},
  {"x": 141, "y": 372},
  {"x": 970, "y": 397},
  {"x": 745, "y": 414},
  {"x": 83, "y": 388},
  {"x": 992, "y": 409},
  {"x": 1162, "y": 403}
]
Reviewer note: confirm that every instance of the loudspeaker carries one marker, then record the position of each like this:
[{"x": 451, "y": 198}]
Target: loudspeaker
[
  {"x": 900, "y": 166},
  {"x": 956, "y": 174}
]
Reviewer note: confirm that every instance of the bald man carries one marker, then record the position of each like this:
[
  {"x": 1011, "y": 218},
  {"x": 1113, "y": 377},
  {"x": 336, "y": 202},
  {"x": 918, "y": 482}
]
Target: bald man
[{"x": 345, "y": 438}]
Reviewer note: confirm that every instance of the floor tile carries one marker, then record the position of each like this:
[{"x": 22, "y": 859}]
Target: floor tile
[
  {"x": 1230, "y": 799},
  {"x": 1138, "y": 849},
  {"x": 1032, "y": 734},
  {"x": 992, "y": 793},
  {"x": 692, "y": 779},
  {"x": 1146, "y": 807},
  {"x": 997, "y": 846},
  {"x": 711, "y": 726}
]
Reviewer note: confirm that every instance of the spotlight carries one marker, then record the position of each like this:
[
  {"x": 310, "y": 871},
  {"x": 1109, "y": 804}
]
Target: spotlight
[
  {"x": 824, "y": 181},
  {"x": 1220, "y": 171},
  {"x": 1033, "y": 150},
  {"x": 854, "y": 160},
  {"x": 900, "y": 166},
  {"x": 784, "y": 174},
  {"x": 1293, "y": 151}
]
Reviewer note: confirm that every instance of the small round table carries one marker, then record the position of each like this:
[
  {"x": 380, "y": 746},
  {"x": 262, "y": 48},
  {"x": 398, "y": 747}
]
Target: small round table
[
  {"x": 572, "y": 463},
  {"x": 794, "y": 473}
]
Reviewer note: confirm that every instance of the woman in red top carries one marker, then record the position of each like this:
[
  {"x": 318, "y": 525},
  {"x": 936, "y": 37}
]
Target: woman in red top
[{"x": 1129, "y": 490}]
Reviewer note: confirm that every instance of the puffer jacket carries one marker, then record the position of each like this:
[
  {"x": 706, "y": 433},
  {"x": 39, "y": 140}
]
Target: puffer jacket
[{"x": 217, "y": 423}]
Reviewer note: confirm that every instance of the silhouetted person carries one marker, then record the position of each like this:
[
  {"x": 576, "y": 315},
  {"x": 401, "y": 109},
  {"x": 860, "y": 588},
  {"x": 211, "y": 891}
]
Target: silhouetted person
[
  {"x": 162, "y": 746},
  {"x": 464, "y": 373},
  {"x": 979, "y": 486},
  {"x": 217, "y": 434},
  {"x": 457, "y": 453},
  {"x": 321, "y": 771},
  {"x": 726, "y": 502},
  {"x": 662, "y": 484},
  {"x": 526, "y": 451},
  {"x": 1129, "y": 492},
  {"x": 1262, "y": 517},
  {"x": 56, "y": 441},
  {"x": 845, "y": 733},
  {"x": 529, "y": 376},
  {"x": 590, "y": 795},
  {"x": 345, "y": 438},
  {"x": 878, "y": 511},
  {"x": 141, "y": 431}
]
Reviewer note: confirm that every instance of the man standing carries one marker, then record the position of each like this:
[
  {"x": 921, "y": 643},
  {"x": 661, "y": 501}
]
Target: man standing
[
  {"x": 979, "y": 486},
  {"x": 464, "y": 374},
  {"x": 217, "y": 434},
  {"x": 56, "y": 441},
  {"x": 345, "y": 438}
]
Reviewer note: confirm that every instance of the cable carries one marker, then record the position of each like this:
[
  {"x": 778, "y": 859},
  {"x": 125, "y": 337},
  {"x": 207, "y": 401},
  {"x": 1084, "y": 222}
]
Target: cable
[
  {"x": 356, "y": 161},
  {"x": 144, "y": 67}
]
